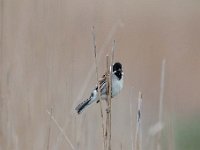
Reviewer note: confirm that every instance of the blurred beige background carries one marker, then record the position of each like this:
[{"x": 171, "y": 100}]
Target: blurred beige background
[{"x": 47, "y": 61}]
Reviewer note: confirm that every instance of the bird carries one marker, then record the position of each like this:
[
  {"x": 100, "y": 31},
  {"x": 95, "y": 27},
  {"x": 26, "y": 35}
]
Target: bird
[{"x": 117, "y": 85}]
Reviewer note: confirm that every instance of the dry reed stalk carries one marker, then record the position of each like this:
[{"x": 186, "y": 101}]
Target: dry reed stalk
[
  {"x": 61, "y": 130},
  {"x": 162, "y": 90},
  {"x": 49, "y": 131},
  {"x": 109, "y": 93},
  {"x": 161, "y": 103},
  {"x": 107, "y": 132},
  {"x": 138, "y": 136},
  {"x": 97, "y": 78},
  {"x": 121, "y": 147},
  {"x": 131, "y": 122}
]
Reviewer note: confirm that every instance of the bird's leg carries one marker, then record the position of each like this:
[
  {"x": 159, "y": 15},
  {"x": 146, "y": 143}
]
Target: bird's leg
[{"x": 108, "y": 110}]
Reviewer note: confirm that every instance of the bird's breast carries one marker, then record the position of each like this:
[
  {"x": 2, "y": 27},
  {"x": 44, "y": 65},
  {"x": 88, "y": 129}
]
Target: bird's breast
[{"x": 117, "y": 86}]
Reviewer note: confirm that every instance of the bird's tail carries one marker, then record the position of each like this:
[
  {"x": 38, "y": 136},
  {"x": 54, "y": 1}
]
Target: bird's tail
[{"x": 83, "y": 105}]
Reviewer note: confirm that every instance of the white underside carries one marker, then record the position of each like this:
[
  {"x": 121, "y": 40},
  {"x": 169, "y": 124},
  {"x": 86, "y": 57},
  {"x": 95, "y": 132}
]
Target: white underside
[{"x": 117, "y": 86}]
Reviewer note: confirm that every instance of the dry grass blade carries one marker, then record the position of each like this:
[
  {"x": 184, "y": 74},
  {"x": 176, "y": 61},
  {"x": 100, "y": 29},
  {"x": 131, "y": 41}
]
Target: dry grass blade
[
  {"x": 97, "y": 77},
  {"x": 138, "y": 140},
  {"x": 121, "y": 147},
  {"x": 131, "y": 123},
  {"x": 49, "y": 131},
  {"x": 113, "y": 52},
  {"x": 161, "y": 102},
  {"x": 162, "y": 90},
  {"x": 61, "y": 130}
]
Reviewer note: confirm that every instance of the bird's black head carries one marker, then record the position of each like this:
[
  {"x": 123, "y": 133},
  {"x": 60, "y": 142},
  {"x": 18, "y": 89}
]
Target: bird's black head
[
  {"x": 117, "y": 66},
  {"x": 117, "y": 69}
]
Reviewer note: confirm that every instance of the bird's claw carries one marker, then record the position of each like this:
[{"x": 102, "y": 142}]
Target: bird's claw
[{"x": 108, "y": 110}]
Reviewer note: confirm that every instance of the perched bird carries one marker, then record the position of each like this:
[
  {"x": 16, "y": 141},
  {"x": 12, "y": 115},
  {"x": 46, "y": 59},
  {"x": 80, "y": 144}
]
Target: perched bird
[{"x": 117, "y": 85}]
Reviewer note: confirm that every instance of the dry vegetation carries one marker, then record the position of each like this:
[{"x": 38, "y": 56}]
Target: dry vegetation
[
  {"x": 47, "y": 66},
  {"x": 105, "y": 112}
]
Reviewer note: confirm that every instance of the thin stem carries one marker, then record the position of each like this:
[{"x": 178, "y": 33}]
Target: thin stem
[
  {"x": 97, "y": 77},
  {"x": 61, "y": 130},
  {"x": 162, "y": 82},
  {"x": 131, "y": 123},
  {"x": 138, "y": 144},
  {"x": 162, "y": 90},
  {"x": 49, "y": 131},
  {"x": 110, "y": 92},
  {"x": 108, "y": 116}
]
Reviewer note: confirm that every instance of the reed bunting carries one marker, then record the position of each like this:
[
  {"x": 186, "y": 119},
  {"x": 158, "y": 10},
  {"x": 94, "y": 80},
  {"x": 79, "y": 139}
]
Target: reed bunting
[{"x": 117, "y": 85}]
